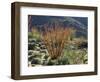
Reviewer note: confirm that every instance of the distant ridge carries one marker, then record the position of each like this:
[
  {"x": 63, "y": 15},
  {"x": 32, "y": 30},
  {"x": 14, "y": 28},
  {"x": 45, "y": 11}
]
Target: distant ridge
[{"x": 78, "y": 23}]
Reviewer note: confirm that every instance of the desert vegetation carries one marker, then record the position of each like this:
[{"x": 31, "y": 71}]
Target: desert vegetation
[
  {"x": 54, "y": 38},
  {"x": 56, "y": 44}
]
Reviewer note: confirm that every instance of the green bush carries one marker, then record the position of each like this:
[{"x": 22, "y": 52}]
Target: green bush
[
  {"x": 76, "y": 56},
  {"x": 34, "y": 35}
]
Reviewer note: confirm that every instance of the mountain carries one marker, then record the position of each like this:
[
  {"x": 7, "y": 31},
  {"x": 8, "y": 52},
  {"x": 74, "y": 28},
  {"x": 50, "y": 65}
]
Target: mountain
[{"x": 80, "y": 24}]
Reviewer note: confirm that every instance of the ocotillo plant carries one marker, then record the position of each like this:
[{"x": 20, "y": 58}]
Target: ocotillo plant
[{"x": 54, "y": 37}]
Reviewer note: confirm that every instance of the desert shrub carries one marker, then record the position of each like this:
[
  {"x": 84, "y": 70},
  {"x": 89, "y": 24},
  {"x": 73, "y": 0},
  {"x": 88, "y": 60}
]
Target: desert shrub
[
  {"x": 34, "y": 34},
  {"x": 54, "y": 37},
  {"x": 76, "y": 56},
  {"x": 63, "y": 60},
  {"x": 30, "y": 35}
]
